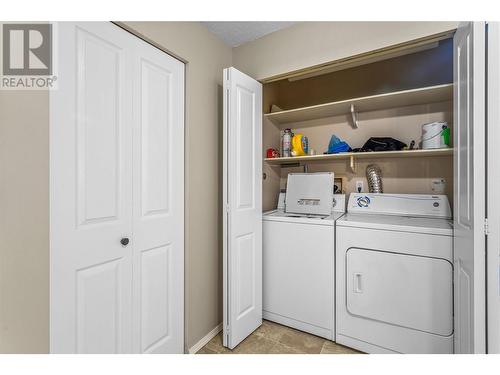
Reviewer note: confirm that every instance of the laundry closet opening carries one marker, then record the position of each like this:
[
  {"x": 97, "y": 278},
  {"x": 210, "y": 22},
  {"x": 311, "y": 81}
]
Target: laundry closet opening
[
  {"x": 391, "y": 94},
  {"x": 389, "y": 113}
]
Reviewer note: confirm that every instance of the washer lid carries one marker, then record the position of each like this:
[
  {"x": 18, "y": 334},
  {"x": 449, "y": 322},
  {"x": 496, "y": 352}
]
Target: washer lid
[
  {"x": 398, "y": 223},
  {"x": 309, "y": 193}
]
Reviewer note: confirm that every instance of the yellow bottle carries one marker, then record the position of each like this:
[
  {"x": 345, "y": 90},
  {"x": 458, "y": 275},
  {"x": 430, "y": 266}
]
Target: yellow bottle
[{"x": 300, "y": 145}]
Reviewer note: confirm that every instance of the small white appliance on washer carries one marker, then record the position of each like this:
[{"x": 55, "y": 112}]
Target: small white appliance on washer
[
  {"x": 394, "y": 274},
  {"x": 299, "y": 254}
]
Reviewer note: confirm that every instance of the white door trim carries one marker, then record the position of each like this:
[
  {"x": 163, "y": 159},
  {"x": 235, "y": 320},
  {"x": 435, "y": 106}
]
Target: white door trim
[{"x": 493, "y": 197}]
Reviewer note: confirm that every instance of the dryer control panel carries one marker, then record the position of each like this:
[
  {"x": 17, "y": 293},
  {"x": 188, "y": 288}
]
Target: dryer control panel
[{"x": 420, "y": 205}]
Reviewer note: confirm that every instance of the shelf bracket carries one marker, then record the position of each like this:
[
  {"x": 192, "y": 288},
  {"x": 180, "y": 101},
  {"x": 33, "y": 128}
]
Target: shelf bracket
[
  {"x": 290, "y": 165},
  {"x": 352, "y": 163},
  {"x": 354, "y": 116}
]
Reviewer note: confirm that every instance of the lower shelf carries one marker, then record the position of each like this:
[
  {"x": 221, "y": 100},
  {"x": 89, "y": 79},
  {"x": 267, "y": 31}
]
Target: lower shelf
[{"x": 361, "y": 155}]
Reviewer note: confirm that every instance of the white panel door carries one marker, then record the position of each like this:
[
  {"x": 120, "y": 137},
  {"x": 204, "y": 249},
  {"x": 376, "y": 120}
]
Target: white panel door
[
  {"x": 493, "y": 198},
  {"x": 469, "y": 188},
  {"x": 91, "y": 192},
  {"x": 243, "y": 206},
  {"x": 117, "y": 194},
  {"x": 158, "y": 211}
]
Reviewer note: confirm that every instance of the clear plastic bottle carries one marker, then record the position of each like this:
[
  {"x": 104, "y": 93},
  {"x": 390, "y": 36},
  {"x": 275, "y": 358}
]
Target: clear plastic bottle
[{"x": 286, "y": 143}]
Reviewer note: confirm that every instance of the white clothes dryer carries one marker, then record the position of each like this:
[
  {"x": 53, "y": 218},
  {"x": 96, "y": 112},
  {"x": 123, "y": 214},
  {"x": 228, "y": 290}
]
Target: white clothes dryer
[{"x": 394, "y": 274}]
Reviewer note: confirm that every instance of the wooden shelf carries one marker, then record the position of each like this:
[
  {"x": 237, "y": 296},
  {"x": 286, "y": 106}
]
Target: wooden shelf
[
  {"x": 426, "y": 95},
  {"x": 361, "y": 155}
]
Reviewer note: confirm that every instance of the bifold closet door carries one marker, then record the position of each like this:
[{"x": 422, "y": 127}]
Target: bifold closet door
[
  {"x": 158, "y": 212},
  {"x": 91, "y": 192},
  {"x": 469, "y": 188},
  {"x": 243, "y": 206},
  {"x": 116, "y": 194}
]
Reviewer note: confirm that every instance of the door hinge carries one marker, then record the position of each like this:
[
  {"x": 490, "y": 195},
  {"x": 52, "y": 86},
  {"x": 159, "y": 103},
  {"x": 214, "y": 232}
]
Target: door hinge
[
  {"x": 227, "y": 331},
  {"x": 228, "y": 208},
  {"x": 486, "y": 227}
]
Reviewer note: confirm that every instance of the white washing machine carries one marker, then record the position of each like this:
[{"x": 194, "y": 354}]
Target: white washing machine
[
  {"x": 394, "y": 274},
  {"x": 299, "y": 255}
]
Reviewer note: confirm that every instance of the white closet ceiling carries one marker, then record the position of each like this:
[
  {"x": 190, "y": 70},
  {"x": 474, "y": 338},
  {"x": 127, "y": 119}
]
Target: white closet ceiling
[{"x": 235, "y": 34}]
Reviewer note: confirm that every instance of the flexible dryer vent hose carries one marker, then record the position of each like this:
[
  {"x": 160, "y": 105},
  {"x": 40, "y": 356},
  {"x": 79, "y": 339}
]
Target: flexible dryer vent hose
[{"x": 374, "y": 177}]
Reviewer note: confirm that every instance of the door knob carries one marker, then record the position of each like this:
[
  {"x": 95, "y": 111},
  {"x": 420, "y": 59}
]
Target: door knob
[{"x": 124, "y": 241}]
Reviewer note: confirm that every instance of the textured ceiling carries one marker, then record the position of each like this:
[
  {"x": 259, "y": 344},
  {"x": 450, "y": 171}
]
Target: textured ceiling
[{"x": 238, "y": 33}]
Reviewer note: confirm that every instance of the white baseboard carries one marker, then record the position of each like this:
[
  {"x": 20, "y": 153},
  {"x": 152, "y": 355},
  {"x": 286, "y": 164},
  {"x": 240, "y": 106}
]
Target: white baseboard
[{"x": 204, "y": 340}]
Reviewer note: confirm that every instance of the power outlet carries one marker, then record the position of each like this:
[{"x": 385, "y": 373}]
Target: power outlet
[{"x": 359, "y": 186}]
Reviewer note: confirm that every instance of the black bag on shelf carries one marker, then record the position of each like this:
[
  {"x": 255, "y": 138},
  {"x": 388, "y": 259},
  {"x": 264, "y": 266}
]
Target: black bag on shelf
[{"x": 381, "y": 144}]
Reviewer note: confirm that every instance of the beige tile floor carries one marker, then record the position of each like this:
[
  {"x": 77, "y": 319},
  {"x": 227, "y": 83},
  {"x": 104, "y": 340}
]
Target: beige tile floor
[{"x": 272, "y": 338}]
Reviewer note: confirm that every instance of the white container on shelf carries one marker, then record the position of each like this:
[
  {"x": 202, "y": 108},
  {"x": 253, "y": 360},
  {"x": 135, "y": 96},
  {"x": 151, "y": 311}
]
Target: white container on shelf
[{"x": 432, "y": 135}]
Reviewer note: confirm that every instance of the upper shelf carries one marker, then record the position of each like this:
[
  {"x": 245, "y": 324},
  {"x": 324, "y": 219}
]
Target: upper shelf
[{"x": 425, "y": 95}]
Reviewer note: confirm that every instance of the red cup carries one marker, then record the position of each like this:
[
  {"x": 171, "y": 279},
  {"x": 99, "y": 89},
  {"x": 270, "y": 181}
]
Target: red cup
[{"x": 272, "y": 153}]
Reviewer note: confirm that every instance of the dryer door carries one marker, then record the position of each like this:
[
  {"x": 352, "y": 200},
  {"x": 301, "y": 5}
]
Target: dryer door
[{"x": 403, "y": 290}]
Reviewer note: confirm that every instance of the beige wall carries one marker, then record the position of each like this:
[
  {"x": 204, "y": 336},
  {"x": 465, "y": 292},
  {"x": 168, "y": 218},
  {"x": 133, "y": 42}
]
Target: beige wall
[
  {"x": 311, "y": 43},
  {"x": 24, "y": 222}
]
